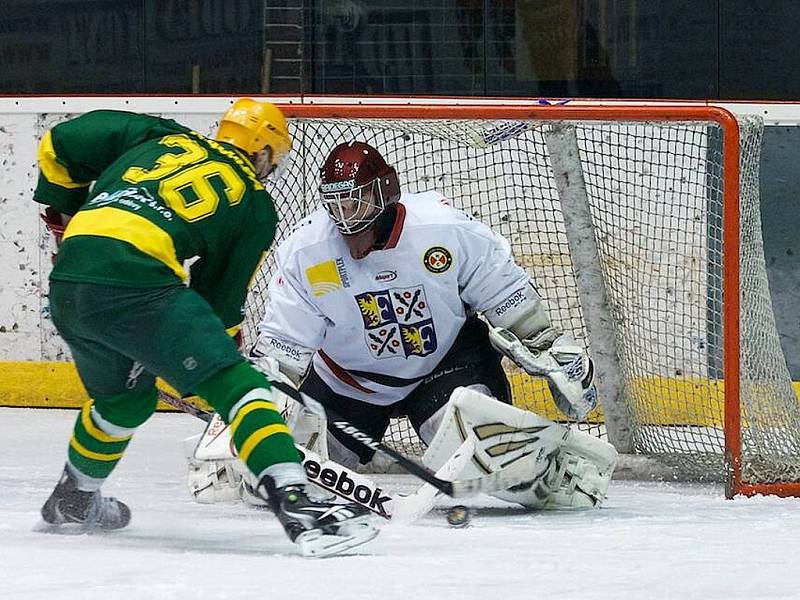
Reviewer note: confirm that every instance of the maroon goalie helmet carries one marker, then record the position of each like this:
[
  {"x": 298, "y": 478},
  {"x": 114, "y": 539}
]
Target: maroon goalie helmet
[{"x": 356, "y": 186}]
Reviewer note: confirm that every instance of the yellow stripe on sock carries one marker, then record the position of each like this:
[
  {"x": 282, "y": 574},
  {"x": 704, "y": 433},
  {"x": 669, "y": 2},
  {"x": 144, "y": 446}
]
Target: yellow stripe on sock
[
  {"x": 250, "y": 407},
  {"x": 93, "y": 430},
  {"x": 259, "y": 436},
  {"x": 86, "y": 453}
]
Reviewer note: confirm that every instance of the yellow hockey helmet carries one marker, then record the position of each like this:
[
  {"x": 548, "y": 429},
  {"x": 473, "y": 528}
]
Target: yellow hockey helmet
[{"x": 252, "y": 126}]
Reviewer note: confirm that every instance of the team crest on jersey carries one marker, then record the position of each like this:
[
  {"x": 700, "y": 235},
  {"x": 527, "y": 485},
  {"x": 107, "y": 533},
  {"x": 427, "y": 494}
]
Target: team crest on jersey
[
  {"x": 397, "y": 322},
  {"x": 327, "y": 277},
  {"x": 437, "y": 259}
]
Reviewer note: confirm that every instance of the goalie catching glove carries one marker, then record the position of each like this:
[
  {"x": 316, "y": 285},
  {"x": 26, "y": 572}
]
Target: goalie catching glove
[
  {"x": 522, "y": 331},
  {"x": 568, "y": 369}
]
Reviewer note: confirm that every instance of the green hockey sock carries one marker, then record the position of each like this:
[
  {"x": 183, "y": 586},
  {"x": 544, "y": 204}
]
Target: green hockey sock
[
  {"x": 243, "y": 398},
  {"x": 94, "y": 452}
]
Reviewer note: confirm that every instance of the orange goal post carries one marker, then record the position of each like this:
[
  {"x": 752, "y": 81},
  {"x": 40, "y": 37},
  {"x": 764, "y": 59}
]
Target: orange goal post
[{"x": 640, "y": 226}]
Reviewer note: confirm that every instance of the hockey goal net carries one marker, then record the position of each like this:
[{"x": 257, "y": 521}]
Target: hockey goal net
[{"x": 641, "y": 228}]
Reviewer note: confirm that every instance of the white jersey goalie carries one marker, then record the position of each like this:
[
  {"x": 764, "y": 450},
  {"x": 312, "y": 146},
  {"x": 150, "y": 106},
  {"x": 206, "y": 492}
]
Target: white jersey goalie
[{"x": 379, "y": 306}]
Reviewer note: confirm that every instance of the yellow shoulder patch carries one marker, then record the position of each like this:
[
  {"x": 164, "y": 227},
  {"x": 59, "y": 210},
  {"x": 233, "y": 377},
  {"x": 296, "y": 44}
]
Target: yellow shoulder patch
[{"x": 324, "y": 278}]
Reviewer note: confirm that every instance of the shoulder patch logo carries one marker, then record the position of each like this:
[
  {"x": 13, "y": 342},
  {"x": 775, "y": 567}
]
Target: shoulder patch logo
[
  {"x": 324, "y": 278},
  {"x": 437, "y": 259}
]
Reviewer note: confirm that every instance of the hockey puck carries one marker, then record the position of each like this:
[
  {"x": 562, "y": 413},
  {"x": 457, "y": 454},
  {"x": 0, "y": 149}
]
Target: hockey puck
[{"x": 458, "y": 516}]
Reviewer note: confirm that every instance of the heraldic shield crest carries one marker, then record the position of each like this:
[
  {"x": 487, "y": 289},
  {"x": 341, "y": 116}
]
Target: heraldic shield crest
[{"x": 397, "y": 322}]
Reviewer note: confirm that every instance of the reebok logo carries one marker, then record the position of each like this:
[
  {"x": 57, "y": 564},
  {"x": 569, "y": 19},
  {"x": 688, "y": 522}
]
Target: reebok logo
[
  {"x": 513, "y": 300},
  {"x": 288, "y": 349},
  {"x": 342, "y": 485}
]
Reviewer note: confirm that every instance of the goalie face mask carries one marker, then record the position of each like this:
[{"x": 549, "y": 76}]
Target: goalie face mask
[{"x": 356, "y": 186}]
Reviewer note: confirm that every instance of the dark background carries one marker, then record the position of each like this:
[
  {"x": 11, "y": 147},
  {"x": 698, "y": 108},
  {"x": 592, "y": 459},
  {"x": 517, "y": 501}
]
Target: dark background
[
  {"x": 681, "y": 49},
  {"x": 692, "y": 49}
]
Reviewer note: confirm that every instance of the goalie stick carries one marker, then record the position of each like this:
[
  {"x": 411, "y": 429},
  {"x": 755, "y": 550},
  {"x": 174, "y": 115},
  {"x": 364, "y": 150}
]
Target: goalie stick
[
  {"x": 517, "y": 473},
  {"x": 357, "y": 488},
  {"x": 352, "y": 486}
]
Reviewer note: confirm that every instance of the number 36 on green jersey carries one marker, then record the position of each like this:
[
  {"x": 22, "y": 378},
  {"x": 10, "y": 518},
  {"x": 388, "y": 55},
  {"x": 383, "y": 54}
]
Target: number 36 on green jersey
[{"x": 189, "y": 192}]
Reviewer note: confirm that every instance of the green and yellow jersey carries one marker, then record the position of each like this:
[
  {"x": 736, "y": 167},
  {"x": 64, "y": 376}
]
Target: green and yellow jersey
[{"x": 162, "y": 194}]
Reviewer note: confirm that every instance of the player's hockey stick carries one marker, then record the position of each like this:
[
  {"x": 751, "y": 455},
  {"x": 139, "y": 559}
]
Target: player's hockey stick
[
  {"x": 184, "y": 406},
  {"x": 515, "y": 474},
  {"x": 355, "y": 487}
]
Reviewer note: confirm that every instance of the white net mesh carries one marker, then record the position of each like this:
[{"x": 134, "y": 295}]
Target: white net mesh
[{"x": 655, "y": 197}]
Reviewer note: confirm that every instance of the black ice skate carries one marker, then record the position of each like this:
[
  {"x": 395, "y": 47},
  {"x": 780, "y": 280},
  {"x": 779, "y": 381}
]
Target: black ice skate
[
  {"x": 72, "y": 510},
  {"x": 320, "y": 528}
]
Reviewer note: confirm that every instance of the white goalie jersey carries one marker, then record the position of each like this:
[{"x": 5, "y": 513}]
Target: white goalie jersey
[{"x": 380, "y": 324}]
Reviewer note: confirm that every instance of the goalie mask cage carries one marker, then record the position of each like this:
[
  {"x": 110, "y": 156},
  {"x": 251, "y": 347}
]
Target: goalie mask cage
[{"x": 640, "y": 227}]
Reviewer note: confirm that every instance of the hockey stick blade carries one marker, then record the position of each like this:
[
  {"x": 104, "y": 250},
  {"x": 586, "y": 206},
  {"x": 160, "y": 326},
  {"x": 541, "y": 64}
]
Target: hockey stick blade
[{"x": 409, "y": 508}]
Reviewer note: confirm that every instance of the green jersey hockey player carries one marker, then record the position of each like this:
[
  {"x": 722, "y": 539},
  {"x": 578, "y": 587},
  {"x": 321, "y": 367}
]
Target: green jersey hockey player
[{"x": 129, "y": 309}]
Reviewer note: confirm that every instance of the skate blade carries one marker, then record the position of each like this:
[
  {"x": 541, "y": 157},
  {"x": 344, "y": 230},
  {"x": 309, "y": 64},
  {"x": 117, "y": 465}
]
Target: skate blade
[
  {"x": 60, "y": 528},
  {"x": 317, "y": 544}
]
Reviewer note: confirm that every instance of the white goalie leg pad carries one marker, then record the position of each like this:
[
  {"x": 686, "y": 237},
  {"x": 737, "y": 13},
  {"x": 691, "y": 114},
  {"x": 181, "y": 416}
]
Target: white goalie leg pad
[
  {"x": 502, "y": 434},
  {"x": 214, "y": 481},
  {"x": 215, "y": 473},
  {"x": 585, "y": 467}
]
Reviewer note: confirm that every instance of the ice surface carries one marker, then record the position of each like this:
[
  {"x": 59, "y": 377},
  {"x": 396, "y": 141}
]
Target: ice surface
[{"x": 651, "y": 540}]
